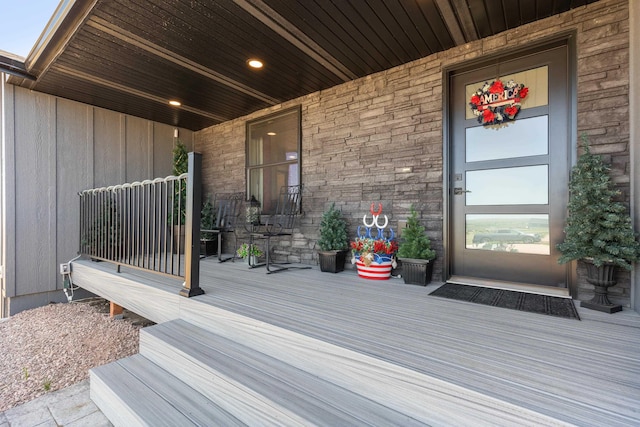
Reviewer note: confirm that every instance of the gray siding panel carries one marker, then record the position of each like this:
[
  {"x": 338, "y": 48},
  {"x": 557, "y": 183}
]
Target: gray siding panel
[
  {"x": 163, "y": 144},
  {"x": 107, "y": 142},
  {"x": 138, "y": 149},
  {"x": 74, "y": 173},
  {"x": 8, "y": 194},
  {"x": 35, "y": 193}
]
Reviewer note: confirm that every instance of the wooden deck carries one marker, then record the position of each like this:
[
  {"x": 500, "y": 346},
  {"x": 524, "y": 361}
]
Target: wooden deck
[{"x": 319, "y": 349}]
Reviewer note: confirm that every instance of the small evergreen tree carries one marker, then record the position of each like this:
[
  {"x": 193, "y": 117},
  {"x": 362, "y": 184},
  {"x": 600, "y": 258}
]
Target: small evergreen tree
[
  {"x": 598, "y": 227},
  {"x": 180, "y": 159},
  {"x": 333, "y": 231},
  {"x": 180, "y": 166},
  {"x": 415, "y": 243},
  {"x": 207, "y": 219}
]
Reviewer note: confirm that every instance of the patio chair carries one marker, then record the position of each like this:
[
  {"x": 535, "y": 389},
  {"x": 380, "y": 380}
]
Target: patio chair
[
  {"x": 280, "y": 224},
  {"x": 227, "y": 207}
]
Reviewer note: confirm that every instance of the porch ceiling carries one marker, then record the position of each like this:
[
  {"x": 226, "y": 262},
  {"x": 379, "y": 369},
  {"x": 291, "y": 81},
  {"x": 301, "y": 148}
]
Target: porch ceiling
[{"x": 133, "y": 56}]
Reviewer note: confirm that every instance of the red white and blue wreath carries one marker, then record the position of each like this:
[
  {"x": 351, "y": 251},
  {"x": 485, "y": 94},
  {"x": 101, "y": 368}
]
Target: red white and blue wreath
[{"x": 498, "y": 102}]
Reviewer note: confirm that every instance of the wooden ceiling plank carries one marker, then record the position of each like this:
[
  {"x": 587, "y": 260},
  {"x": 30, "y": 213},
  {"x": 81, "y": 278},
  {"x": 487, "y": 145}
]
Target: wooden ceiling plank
[
  {"x": 167, "y": 79},
  {"x": 222, "y": 40},
  {"x": 169, "y": 32},
  {"x": 544, "y": 8},
  {"x": 444, "y": 6},
  {"x": 285, "y": 60},
  {"x": 110, "y": 99},
  {"x": 380, "y": 37},
  {"x": 496, "y": 16},
  {"x": 511, "y": 13},
  {"x": 480, "y": 17},
  {"x": 464, "y": 15},
  {"x": 357, "y": 19},
  {"x": 527, "y": 12},
  {"x": 577, "y": 3},
  {"x": 175, "y": 58},
  {"x": 291, "y": 33},
  {"x": 408, "y": 26},
  {"x": 321, "y": 27},
  {"x": 389, "y": 15},
  {"x": 355, "y": 29},
  {"x": 437, "y": 24},
  {"x": 374, "y": 58},
  {"x": 420, "y": 16},
  {"x": 130, "y": 90}
]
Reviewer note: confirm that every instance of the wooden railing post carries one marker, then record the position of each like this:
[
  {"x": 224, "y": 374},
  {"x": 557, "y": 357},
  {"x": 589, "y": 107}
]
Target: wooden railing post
[{"x": 192, "y": 228}]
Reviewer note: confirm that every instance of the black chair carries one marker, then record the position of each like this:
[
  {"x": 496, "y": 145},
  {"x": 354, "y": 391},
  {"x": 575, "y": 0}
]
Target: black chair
[
  {"x": 280, "y": 224},
  {"x": 228, "y": 207}
]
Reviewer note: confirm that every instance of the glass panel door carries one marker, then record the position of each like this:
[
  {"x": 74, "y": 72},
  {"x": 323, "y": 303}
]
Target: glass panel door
[{"x": 509, "y": 181}]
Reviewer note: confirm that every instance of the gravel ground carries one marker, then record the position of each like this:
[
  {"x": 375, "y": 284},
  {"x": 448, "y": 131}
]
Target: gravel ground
[{"x": 53, "y": 347}]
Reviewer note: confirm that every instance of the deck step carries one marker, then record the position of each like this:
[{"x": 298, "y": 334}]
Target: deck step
[
  {"x": 427, "y": 398},
  {"x": 254, "y": 387},
  {"x": 250, "y": 373},
  {"x": 136, "y": 392}
]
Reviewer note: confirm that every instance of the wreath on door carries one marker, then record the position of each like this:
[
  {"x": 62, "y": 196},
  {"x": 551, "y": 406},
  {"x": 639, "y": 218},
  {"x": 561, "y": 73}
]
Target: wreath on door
[{"x": 497, "y": 102}]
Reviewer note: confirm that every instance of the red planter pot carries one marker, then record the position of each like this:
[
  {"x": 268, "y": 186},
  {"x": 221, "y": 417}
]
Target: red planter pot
[{"x": 375, "y": 271}]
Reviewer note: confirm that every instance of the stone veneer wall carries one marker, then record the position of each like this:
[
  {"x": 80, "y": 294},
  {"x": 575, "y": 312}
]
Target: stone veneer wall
[{"x": 358, "y": 137}]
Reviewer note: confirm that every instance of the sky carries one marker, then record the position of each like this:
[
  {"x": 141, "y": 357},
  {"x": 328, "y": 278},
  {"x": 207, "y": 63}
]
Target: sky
[{"x": 22, "y": 22}]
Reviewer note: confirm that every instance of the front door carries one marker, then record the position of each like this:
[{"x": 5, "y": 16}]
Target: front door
[{"x": 508, "y": 183}]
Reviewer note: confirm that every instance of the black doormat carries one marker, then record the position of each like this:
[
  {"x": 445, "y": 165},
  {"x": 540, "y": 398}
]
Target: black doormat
[{"x": 543, "y": 304}]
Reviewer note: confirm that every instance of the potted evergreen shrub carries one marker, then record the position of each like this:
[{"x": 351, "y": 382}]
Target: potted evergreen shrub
[
  {"x": 208, "y": 240},
  {"x": 598, "y": 230},
  {"x": 333, "y": 241},
  {"x": 178, "y": 214},
  {"x": 415, "y": 253}
]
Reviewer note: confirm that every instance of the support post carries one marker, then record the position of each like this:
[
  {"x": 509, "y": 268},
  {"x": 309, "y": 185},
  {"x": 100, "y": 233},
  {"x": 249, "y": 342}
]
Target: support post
[
  {"x": 115, "y": 310},
  {"x": 192, "y": 228}
]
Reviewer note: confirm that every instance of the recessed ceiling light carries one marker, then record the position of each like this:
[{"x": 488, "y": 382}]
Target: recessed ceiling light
[
  {"x": 255, "y": 63},
  {"x": 271, "y": 133},
  {"x": 175, "y": 103}
]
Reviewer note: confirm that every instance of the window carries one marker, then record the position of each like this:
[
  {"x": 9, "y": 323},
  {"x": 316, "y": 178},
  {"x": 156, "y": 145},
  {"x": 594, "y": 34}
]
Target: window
[{"x": 273, "y": 156}]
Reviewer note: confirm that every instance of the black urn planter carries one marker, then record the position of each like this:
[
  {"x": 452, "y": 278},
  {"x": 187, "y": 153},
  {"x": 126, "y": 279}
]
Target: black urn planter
[
  {"x": 417, "y": 271},
  {"x": 602, "y": 278},
  {"x": 332, "y": 261}
]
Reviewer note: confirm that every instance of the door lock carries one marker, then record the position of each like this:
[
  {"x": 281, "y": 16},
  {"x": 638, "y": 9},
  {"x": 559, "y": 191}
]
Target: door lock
[{"x": 458, "y": 191}]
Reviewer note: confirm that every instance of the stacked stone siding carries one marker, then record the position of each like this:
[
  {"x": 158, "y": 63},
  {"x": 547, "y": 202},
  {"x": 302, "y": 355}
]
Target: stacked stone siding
[{"x": 380, "y": 138}]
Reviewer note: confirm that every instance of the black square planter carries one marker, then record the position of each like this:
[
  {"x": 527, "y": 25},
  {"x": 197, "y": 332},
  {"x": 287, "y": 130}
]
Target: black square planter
[
  {"x": 332, "y": 261},
  {"x": 417, "y": 271},
  {"x": 209, "y": 247}
]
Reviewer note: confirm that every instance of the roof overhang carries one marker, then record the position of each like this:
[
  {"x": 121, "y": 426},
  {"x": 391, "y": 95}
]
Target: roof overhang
[{"x": 134, "y": 56}]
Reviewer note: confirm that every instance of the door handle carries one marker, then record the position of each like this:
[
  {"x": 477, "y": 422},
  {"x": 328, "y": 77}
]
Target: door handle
[{"x": 458, "y": 191}]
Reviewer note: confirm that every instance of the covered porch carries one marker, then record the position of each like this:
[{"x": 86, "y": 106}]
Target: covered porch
[{"x": 305, "y": 347}]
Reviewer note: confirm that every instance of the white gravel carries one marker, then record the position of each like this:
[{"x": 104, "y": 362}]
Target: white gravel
[{"x": 53, "y": 347}]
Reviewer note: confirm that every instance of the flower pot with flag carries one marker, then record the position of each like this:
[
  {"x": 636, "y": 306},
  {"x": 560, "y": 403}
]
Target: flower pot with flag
[{"x": 374, "y": 257}]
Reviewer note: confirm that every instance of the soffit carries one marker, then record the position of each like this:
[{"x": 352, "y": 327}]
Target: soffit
[{"x": 132, "y": 56}]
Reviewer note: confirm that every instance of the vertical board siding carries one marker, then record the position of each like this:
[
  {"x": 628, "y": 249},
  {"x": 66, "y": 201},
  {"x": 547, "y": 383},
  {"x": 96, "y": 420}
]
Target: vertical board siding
[
  {"x": 162, "y": 144},
  {"x": 35, "y": 195},
  {"x": 108, "y": 162},
  {"x": 55, "y": 148},
  {"x": 138, "y": 150},
  {"x": 74, "y": 173},
  {"x": 8, "y": 193}
]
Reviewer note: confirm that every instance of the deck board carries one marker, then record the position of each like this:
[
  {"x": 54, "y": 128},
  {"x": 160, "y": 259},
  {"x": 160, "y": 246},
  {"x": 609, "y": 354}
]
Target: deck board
[
  {"x": 158, "y": 397},
  {"x": 582, "y": 372}
]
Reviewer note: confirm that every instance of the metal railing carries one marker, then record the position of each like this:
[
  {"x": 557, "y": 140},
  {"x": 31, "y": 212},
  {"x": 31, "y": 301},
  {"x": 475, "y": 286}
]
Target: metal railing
[{"x": 149, "y": 225}]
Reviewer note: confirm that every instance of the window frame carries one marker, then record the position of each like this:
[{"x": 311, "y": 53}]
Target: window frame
[{"x": 266, "y": 166}]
